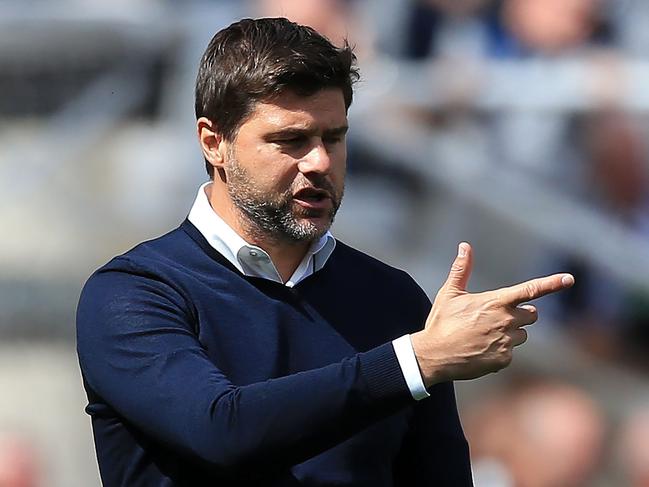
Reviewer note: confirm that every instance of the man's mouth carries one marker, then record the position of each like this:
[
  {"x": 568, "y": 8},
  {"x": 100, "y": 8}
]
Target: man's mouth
[{"x": 313, "y": 198}]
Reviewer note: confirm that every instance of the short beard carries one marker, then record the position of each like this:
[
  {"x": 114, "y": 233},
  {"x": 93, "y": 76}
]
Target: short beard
[{"x": 273, "y": 217}]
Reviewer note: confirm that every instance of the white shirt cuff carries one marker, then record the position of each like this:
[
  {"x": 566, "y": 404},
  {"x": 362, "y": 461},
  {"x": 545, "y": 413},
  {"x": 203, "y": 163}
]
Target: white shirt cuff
[{"x": 409, "y": 367}]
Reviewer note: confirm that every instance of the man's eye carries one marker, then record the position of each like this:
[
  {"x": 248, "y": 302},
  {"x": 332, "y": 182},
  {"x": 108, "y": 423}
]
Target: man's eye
[
  {"x": 293, "y": 141},
  {"x": 333, "y": 139}
]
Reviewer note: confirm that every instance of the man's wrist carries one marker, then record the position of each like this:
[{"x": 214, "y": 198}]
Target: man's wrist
[
  {"x": 409, "y": 367},
  {"x": 430, "y": 373}
]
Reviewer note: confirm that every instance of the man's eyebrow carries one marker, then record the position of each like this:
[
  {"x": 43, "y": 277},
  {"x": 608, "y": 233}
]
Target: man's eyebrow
[
  {"x": 297, "y": 132},
  {"x": 342, "y": 130}
]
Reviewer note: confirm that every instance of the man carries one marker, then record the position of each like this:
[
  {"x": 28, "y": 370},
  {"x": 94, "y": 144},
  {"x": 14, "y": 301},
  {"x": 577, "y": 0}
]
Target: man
[{"x": 248, "y": 347}]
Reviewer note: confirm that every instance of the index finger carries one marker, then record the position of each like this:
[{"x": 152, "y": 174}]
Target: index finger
[{"x": 536, "y": 288}]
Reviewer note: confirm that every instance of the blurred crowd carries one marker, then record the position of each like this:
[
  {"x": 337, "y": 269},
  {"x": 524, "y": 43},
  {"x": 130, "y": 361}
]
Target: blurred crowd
[{"x": 534, "y": 429}]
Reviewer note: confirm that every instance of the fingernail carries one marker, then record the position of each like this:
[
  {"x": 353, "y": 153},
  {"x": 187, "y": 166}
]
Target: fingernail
[
  {"x": 567, "y": 280},
  {"x": 461, "y": 250}
]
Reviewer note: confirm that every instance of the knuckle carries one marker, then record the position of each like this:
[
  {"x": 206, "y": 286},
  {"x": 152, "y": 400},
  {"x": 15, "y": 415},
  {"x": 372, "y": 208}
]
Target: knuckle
[
  {"x": 457, "y": 267},
  {"x": 511, "y": 321},
  {"x": 495, "y": 300},
  {"x": 531, "y": 290}
]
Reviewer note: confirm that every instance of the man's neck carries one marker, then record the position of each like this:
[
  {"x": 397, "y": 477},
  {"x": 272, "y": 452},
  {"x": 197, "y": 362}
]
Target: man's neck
[{"x": 286, "y": 256}]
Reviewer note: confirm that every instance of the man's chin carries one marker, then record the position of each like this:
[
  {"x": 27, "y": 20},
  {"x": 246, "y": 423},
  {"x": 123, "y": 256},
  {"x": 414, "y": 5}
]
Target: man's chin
[
  {"x": 311, "y": 228},
  {"x": 316, "y": 229}
]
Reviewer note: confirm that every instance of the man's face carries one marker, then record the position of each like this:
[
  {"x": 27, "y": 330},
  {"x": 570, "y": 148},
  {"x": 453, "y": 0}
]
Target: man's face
[{"x": 285, "y": 169}]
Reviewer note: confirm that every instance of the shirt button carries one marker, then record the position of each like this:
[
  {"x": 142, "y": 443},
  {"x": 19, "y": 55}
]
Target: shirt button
[{"x": 253, "y": 253}]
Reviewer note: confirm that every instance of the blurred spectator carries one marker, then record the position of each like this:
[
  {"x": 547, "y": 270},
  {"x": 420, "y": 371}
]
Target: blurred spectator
[
  {"x": 504, "y": 28},
  {"x": 18, "y": 463},
  {"x": 633, "y": 449},
  {"x": 329, "y": 17},
  {"x": 338, "y": 20},
  {"x": 610, "y": 318},
  {"x": 548, "y": 26},
  {"x": 539, "y": 434},
  {"x": 618, "y": 156},
  {"x": 467, "y": 34},
  {"x": 550, "y": 30},
  {"x": 542, "y": 29},
  {"x": 445, "y": 27}
]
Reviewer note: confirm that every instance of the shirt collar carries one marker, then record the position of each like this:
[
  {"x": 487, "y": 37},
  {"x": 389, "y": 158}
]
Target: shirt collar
[{"x": 249, "y": 259}]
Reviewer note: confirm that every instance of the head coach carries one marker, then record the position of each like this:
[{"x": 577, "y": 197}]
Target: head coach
[{"x": 248, "y": 347}]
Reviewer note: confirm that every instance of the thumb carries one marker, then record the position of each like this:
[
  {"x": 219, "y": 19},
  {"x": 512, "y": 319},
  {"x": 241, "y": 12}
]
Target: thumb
[{"x": 458, "y": 277}]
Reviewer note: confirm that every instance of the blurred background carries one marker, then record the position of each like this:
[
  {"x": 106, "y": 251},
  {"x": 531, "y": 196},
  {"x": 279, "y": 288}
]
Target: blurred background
[{"x": 520, "y": 126}]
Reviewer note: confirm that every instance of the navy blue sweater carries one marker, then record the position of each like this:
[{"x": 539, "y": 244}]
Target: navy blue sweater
[{"x": 197, "y": 375}]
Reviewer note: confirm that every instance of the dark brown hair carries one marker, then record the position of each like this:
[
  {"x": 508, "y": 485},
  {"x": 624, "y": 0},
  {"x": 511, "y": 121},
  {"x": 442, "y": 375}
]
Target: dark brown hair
[{"x": 254, "y": 60}]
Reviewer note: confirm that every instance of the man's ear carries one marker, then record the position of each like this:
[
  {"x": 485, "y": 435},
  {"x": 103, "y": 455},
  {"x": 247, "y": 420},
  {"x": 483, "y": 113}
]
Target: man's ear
[{"x": 212, "y": 143}]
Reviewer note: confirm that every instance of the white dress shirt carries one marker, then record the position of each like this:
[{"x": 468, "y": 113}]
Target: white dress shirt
[{"x": 252, "y": 260}]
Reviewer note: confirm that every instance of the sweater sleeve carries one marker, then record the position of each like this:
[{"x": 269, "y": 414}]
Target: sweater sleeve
[
  {"x": 435, "y": 450},
  {"x": 139, "y": 353}
]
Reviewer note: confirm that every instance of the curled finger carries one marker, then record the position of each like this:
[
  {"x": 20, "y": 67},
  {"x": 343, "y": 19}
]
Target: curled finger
[
  {"x": 518, "y": 336},
  {"x": 525, "y": 314}
]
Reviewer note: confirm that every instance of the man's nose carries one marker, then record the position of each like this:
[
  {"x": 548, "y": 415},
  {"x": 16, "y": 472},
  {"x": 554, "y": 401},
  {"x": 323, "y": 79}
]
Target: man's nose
[{"x": 316, "y": 160}]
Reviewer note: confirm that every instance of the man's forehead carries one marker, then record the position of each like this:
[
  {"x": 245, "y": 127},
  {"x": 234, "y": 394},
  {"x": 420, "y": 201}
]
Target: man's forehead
[{"x": 289, "y": 109}]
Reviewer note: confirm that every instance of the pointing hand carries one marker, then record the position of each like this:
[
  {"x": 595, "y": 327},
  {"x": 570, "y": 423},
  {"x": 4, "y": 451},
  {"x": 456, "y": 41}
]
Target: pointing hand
[{"x": 470, "y": 335}]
